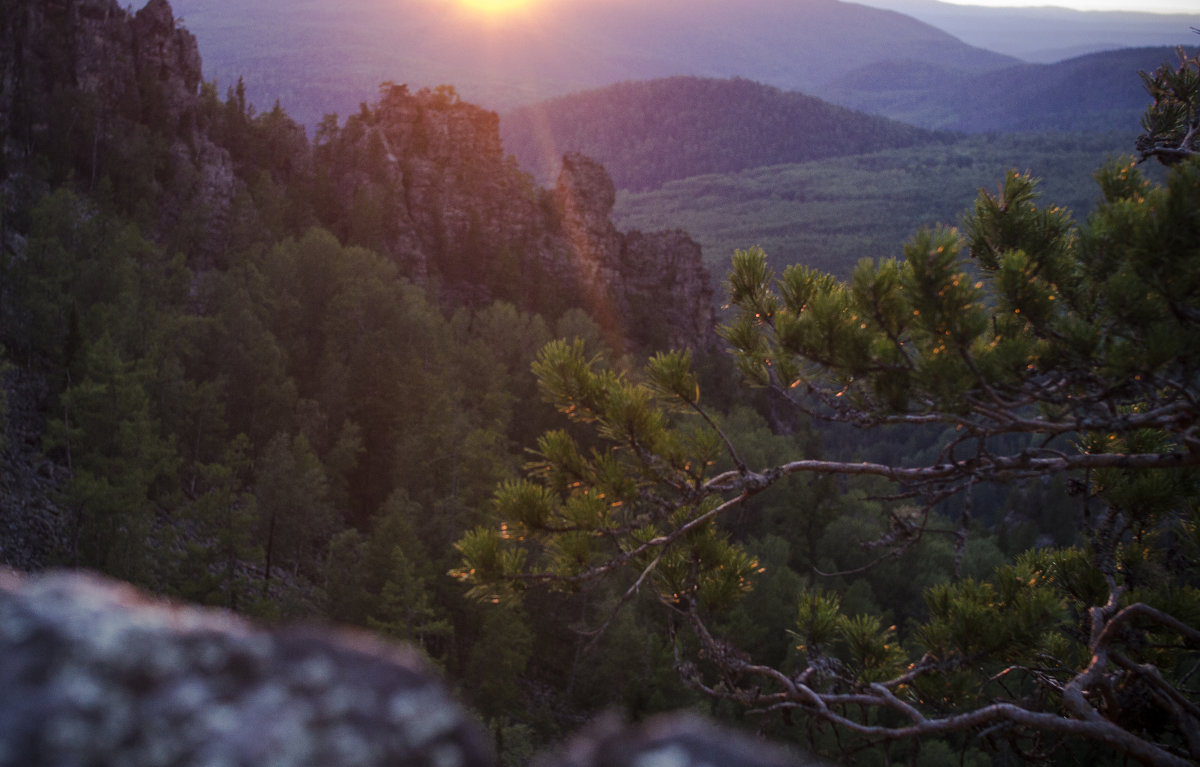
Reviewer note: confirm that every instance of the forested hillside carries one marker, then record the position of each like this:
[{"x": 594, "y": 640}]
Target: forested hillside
[
  {"x": 830, "y": 213},
  {"x": 647, "y": 133},
  {"x": 1050, "y": 33},
  {"x": 245, "y": 370},
  {"x": 383, "y": 378},
  {"x": 1096, "y": 92}
]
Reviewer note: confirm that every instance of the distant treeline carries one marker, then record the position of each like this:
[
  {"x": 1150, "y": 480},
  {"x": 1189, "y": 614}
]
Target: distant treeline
[{"x": 647, "y": 133}]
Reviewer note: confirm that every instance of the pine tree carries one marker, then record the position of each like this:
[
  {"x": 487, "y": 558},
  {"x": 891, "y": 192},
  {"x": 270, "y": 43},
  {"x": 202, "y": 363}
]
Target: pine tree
[
  {"x": 1039, "y": 348},
  {"x": 115, "y": 454},
  {"x": 295, "y": 518}
]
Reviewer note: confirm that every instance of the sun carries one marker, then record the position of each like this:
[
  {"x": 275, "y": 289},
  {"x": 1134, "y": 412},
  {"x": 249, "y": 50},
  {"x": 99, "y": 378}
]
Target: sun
[{"x": 495, "y": 7}]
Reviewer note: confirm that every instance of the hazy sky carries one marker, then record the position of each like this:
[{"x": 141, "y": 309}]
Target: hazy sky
[
  {"x": 1190, "y": 7},
  {"x": 1148, "y": 6}
]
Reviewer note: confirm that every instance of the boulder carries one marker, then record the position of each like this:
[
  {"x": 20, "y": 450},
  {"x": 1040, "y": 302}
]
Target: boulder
[{"x": 96, "y": 674}]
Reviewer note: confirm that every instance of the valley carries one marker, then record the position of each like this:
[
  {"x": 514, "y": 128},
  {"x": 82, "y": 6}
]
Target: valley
[
  {"x": 792, "y": 363},
  {"x": 828, "y": 214}
]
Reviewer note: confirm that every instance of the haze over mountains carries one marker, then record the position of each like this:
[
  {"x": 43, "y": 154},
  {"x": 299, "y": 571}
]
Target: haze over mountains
[
  {"x": 675, "y": 89},
  {"x": 316, "y": 56},
  {"x": 1097, "y": 91},
  {"x": 1046, "y": 34}
]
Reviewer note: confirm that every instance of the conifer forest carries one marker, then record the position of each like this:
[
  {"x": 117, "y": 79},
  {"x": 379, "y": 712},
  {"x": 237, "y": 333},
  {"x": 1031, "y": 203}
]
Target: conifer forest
[{"x": 936, "y": 504}]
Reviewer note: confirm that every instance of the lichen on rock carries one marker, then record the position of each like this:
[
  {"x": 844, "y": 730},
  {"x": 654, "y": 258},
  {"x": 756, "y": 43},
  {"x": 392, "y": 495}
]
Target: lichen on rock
[{"x": 94, "y": 673}]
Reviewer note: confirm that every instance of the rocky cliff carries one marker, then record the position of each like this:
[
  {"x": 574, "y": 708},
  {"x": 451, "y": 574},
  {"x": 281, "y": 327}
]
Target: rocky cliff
[
  {"x": 457, "y": 209},
  {"x": 94, "y": 673},
  {"x": 97, "y": 47},
  {"x": 94, "y": 96},
  {"x": 116, "y": 96}
]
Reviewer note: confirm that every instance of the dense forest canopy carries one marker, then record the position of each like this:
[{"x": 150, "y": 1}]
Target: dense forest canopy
[{"x": 287, "y": 377}]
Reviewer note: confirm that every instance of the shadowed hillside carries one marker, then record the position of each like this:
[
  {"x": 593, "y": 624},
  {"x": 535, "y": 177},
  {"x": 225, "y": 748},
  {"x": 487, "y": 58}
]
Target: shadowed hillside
[
  {"x": 1049, "y": 33},
  {"x": 1099, "y": 91},
  {"x": 648, "y": 133}
]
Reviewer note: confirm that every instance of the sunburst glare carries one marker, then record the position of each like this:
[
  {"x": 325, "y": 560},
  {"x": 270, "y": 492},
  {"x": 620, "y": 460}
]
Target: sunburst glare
[{"x": 496, "y": 8}]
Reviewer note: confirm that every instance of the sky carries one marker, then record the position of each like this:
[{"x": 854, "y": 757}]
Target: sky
[{"x": 1191, "y": 7}]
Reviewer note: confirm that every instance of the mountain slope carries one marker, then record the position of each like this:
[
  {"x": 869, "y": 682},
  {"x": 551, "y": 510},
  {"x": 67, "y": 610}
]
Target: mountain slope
[
  {"x": 319, "y": 56},
  {"x": 828, "y": 214},
  {"x": 647, "y": 133},
  {"x": 1099, "y": 91},
  {"x": 1048, "y": 34}
]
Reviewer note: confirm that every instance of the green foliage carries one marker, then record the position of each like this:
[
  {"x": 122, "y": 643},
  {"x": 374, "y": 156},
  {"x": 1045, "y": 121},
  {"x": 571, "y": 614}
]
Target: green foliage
[
  {"x": 307, "y": 433},
  {"x": 1010, "y": 616},
  {"x": 817, "y": 620},
  {"x": 923, "y": 331},
  {"x": 406, "y": 611},
  {"x": 587, "y": 500},
  {"x": 1023, "y": 326},
  {"x": 223, "y": 519},
  {"x": 1170, "y": 123},
  {"x": 872, "y": 650},
  {"x": 498, "y": 660},
  {"x": 116, "y": 457},
  {"x": 295, "y": 518}
]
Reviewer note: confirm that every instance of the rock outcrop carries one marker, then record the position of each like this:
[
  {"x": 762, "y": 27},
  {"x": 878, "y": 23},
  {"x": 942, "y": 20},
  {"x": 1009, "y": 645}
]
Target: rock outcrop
[
  {"x": 110, "y": 91},
  {"x": 96, "y": 47},
  {"x": 167, "y": 53},
  {"x": 94, "y": 673},
  {"x": 33, "y": 525},
  {"x": 470, "y": 218},
  {"x": 654, "y": 287},
  {"x": 667, "y": 291},
  {"x": 420, "y": 176}
]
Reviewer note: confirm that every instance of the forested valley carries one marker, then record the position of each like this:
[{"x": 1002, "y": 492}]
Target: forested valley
[{"x": 359, "y": 379}]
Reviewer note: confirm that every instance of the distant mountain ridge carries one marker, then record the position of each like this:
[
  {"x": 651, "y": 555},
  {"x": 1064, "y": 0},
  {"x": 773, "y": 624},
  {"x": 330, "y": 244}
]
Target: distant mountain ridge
[
  {"x": 1045, "y": 34},
  {"x": 1095, "y": 92},
  {"x": 650, "y": 132},
  {"x": 318, "y": 56}
]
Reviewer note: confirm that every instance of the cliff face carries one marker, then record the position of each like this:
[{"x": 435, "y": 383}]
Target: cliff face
[
  {"x": 466, "y": 215},
  {"x": 109, "y": 94},
  {"x": 420, "y": 176},
  {"x": 133, "y": 66},
  {"x": 654, "y": 285}
]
